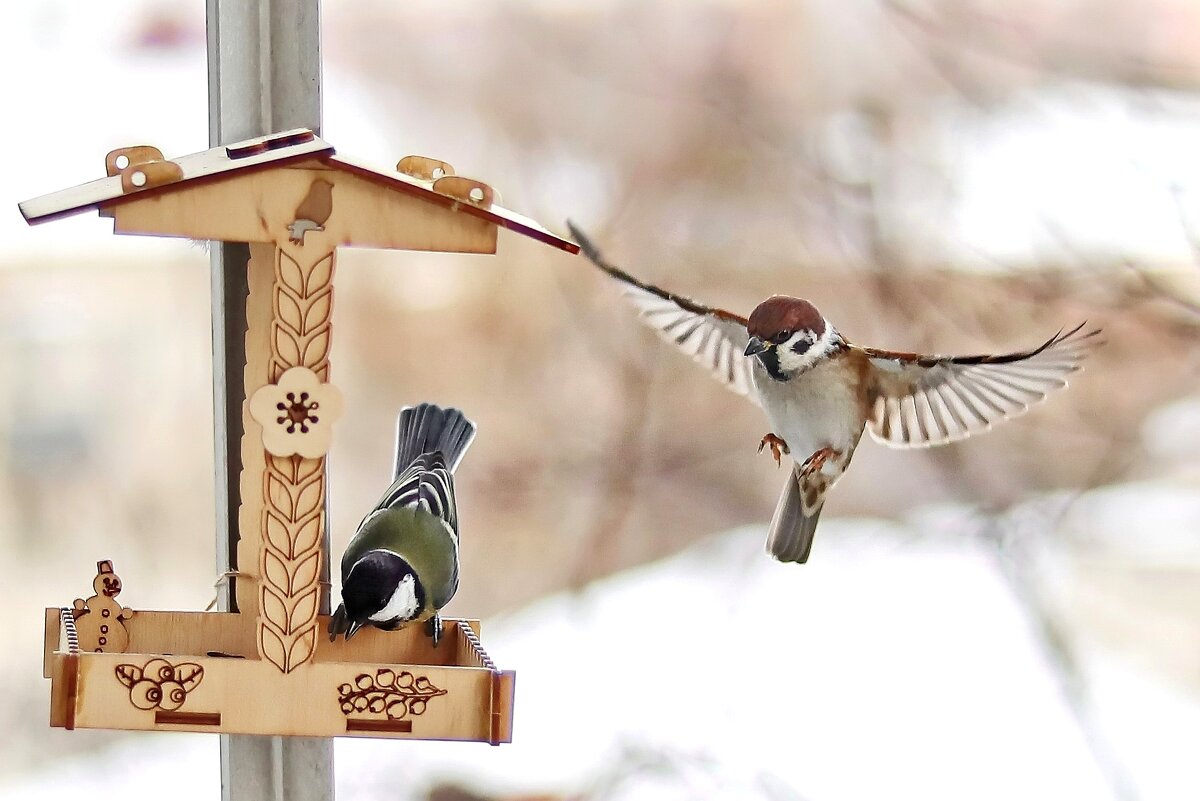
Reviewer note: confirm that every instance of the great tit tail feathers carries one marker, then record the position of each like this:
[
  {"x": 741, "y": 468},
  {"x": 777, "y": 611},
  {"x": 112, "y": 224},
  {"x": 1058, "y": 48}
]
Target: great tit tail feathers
[{"x": 427, "y": 428}]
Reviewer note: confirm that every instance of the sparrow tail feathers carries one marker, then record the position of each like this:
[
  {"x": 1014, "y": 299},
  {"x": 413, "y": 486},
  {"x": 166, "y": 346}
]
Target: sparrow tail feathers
[{"x": 790, "y": 537}]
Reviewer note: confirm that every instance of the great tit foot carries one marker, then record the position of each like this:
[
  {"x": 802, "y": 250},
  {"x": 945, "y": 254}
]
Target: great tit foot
[
  {"x": 433, "y": 627},
  {"x": 778, "y": 447}
]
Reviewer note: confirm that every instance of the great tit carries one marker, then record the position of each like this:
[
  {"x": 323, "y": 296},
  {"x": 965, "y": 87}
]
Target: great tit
[{"x": 401, "y": 566}]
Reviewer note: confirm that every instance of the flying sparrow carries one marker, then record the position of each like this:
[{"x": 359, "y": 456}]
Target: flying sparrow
[
  {"x": 819, "y": 391},
  {"x": 401, "y": 566}
]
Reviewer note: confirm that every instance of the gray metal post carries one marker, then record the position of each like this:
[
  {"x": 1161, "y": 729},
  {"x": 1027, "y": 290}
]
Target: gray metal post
[{"x": 264, "y": 75}]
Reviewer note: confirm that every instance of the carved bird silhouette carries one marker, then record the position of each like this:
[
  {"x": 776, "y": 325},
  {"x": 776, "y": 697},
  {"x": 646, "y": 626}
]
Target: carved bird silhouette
[{"x": 313, "y": 211}]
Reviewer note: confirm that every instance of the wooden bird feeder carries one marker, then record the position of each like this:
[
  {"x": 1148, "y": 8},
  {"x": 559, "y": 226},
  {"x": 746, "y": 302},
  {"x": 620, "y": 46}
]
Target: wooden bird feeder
[{"x": 268, "y": 669}]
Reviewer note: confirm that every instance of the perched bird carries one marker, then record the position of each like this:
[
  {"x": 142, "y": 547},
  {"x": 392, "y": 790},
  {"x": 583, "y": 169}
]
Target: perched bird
[
  {"x": 401, "y": 566},
  {"x": 819, "y": 391}
]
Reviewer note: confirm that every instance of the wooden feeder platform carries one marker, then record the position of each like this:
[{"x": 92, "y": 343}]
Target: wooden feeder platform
[{"x": 198, "y": 671}]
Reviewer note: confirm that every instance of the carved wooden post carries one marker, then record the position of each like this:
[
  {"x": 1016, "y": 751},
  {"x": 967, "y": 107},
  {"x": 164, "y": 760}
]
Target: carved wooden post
[{"x": 283, "y": 480}]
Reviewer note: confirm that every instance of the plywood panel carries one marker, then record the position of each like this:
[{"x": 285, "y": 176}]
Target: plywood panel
[
  {"x": 205, "y": 633},
  {"x": 199, "y": 673},
  {"x": 183, "y": 693},
  {"x": 260, "y": 207},
  {"x": 253, "y": 154}
]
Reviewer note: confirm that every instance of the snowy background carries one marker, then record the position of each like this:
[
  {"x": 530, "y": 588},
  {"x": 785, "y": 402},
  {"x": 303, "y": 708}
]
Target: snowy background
[{"x": 1017, "y": 616}]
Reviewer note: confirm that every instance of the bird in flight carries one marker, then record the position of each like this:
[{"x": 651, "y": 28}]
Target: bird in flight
[{"x": 820, "y": 392}]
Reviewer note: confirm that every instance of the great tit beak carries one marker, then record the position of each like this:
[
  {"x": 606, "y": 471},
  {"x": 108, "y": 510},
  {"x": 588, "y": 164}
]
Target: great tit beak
[
  {"x": 755, "y": 346},
  {"x": 354, "y": 626}
]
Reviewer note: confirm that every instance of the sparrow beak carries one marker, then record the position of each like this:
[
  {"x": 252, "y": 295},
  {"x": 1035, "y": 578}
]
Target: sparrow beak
[
  {"x": 755, "y": 346},
  {"x": 354, "y": 626}
]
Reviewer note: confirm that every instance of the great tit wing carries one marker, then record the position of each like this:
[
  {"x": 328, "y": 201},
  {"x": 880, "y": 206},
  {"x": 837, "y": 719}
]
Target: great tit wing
[
  {"x": 919, "y": 401},
  {"x": 714, "y": 338},
  {"x": 426, "y": 483},
  {"x": 436, "y": 493}
]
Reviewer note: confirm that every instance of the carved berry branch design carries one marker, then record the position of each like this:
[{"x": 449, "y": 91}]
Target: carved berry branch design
[
  {"x": 397, "y": 695},
  {"x": 159, "y": 684}
]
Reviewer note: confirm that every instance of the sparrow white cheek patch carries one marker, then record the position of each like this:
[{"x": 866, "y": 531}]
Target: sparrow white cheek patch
[{"x": 790, "y": 361}]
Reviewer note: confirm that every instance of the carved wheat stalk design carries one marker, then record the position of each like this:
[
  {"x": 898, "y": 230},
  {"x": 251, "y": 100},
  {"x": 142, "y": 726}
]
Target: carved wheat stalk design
[
  {"x": 293, "y": 521},
  {"x": 302, "y": 301}
]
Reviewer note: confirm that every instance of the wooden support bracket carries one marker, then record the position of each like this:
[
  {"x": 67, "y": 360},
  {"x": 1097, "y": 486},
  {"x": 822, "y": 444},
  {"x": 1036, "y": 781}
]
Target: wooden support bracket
[
  {"x": 423, "y": 168},
  {"x": 121, "y": 159}
]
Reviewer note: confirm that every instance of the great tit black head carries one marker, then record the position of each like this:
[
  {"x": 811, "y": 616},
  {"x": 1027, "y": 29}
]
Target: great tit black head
[{"x": 383, "y": 590}]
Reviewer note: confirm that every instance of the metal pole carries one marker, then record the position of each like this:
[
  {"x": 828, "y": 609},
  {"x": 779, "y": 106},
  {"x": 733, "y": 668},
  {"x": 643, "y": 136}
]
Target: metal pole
[{"x": 264, "y": 75}]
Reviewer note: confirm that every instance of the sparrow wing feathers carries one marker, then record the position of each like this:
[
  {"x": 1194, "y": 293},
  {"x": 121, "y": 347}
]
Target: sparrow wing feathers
[
  {"x": 714, "y": 338},
  {"x": 918, "y": 401}
]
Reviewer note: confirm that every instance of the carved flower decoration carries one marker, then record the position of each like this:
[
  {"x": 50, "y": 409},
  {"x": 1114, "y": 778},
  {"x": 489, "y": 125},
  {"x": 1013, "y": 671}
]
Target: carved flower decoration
[
  {"x": 296, "y": 414},
  {"x": 158, "y": 684}
]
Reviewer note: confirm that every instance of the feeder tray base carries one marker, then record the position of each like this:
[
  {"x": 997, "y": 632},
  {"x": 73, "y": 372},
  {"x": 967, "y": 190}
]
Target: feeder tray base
[{"x": 198, "y": 671}]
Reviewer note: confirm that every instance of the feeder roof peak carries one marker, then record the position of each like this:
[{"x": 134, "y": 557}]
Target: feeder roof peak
[{"x": 138, "y": 173}]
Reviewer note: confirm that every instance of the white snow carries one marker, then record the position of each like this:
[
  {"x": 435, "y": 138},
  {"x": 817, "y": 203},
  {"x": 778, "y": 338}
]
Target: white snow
[{"x": 888, "y": 667}]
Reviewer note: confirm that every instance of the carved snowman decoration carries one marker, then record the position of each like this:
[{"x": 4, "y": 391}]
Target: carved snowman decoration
[{"x": 98, "y": 620}]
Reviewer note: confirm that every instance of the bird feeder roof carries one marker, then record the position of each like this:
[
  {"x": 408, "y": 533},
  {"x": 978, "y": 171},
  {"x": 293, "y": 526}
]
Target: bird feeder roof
[{"x": 139, "y": 173}]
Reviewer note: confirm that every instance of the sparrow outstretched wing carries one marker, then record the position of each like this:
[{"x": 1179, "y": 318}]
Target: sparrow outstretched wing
[
  {"x": 714, "y": 338},
  {"x": 919, "y": 401}
]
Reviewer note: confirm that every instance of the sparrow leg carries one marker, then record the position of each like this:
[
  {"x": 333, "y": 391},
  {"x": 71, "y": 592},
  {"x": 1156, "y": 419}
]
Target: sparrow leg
[
  {"x": 433, "y": 627},
  {"x": 778, "y": 447},
  {"x": 815, "y": 462}
]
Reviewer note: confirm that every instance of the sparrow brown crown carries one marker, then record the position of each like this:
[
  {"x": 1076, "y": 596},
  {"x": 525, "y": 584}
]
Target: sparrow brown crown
[{"x": 780, "y": 313}]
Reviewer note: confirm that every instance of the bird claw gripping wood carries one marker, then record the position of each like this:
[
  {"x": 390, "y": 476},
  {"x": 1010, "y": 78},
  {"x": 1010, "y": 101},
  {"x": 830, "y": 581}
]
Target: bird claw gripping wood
[
  {"x": 778, "y": 447},
  {"x": 433, "y": 627}
]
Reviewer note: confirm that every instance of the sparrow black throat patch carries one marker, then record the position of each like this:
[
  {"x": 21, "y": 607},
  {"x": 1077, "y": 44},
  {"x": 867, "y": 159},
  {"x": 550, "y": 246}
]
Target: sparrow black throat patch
[{"x": 770, "y": 361}]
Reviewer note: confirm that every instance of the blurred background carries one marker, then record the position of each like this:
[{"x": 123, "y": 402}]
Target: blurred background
[{"x": 1014, "y": 616}]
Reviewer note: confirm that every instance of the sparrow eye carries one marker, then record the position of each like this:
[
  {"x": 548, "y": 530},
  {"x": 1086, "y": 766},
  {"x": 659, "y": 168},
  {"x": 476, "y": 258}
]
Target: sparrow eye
[{"x": 781, "y": 337}]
